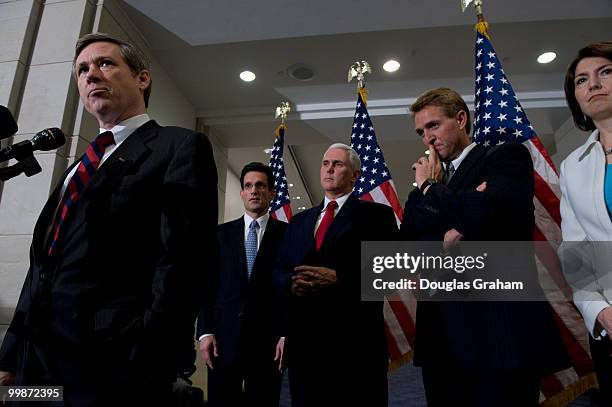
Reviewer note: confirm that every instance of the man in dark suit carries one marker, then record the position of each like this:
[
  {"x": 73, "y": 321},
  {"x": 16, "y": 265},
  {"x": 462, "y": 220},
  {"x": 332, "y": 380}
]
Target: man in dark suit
[
  {"x": 336, "y": 345},
  {"x": 476, "y": 353},
  {"x": 114, "y": 282},
  {"x": 238, "y": 326}
]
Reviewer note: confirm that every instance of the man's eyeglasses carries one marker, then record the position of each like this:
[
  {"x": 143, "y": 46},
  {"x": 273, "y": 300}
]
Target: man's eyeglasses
[{"x": 258, "y": 186}]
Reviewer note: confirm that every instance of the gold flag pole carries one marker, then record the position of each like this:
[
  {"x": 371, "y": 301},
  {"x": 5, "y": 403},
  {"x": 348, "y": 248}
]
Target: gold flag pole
[
  {"x": 358, "y": 69},
  {"x": 281, "y": 112},
  {"x": 481, "y": 26}
]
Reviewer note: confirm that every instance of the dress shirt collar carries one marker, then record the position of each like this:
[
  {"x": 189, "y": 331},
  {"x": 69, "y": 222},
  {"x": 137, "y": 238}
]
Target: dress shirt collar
[
  {"x": 457, "y": 161},
  {"x": 262, "y": 220},
  {"x": 340, "y": 201},
  {"x": 122, "y": 130}
]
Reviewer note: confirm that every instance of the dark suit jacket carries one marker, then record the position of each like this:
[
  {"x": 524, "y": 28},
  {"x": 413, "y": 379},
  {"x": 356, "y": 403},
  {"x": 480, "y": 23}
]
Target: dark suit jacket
[
  {"x": 241, "y": 309},
  {"x": 334, "y": 333},
  {"x": 126, "y": 283},
  {"x": 484, "y": 335}
]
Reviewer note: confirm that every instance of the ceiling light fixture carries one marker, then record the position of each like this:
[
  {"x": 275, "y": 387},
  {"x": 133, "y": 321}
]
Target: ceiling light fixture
[
  {"x": 391, "y": 65},
  {"x": 268, "y": 151},
  {"x": 247, "y": 76},
  {"x": 547, "y": 57}
]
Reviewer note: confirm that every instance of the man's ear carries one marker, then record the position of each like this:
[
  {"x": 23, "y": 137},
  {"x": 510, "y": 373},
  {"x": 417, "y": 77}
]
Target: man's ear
[
  {"x": 144, "y": 79},
  {"x": 462, "y": 119}
]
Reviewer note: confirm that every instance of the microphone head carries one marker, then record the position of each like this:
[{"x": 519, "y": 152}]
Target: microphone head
[
  {"x": 48, "y": 139},
  {"x": 8, "y": 127}
]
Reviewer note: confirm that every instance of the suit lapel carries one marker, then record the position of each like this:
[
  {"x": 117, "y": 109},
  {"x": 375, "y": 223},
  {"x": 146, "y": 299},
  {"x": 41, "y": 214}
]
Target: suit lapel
[
  {"x": 47, "y": 215},
  {"x": 237, "y": 245},
  {"x": 464, "y": 168},
  {"x": 129, "y": 154}
]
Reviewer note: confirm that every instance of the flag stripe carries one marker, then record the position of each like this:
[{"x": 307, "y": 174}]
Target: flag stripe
[
  {"x": 499, "y": 118},
  {"x": 547, "y": 198},
  {"x": 375, "y": 185}
]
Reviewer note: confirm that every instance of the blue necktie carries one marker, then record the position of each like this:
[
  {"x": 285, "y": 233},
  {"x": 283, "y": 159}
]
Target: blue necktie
[{"x": 251, "y": 246}]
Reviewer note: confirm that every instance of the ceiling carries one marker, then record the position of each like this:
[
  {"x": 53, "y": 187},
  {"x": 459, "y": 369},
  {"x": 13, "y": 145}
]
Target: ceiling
[{"x": 204, "y": 45}]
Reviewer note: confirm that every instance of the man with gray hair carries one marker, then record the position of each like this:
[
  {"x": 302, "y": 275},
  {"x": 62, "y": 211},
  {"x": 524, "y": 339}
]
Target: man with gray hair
[
  {"x": 114, "y": 282},
  {"x": 336, "y": 344}
]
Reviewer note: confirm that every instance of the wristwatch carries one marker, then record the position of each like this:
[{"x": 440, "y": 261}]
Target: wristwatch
[{"x": 426, "y": 183}]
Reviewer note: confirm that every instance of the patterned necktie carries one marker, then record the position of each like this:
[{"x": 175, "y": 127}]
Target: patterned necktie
[
  {"x": 85, "y": 171},
  {"x": 328, "y": 218},
  {"x": 449, "y": 171},
  {"x": 251, "y": 246}
]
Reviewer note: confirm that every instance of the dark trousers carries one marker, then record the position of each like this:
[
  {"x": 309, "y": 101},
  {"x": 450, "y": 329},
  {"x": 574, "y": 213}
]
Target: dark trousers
[
  {"x": 601, "y": 352},
  {"x": 261, "y": 378},
  {"x": 339, "y": 384},
  {"x": 91, "y": 377},
  {"x": 477, "y": 388}
]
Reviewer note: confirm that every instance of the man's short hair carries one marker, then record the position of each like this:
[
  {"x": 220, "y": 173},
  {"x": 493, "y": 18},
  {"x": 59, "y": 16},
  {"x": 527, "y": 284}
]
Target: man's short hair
[
  {"x": 598, "y": 49},
  {"x": 258, "y": 167},
  {"x": 131, "y": 55},
  {"x": 354, "y": 160},
  {"x": 450, "y": 101}
]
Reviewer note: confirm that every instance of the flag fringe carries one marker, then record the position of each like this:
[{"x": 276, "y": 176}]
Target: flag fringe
[
  {"x": 278, "y": 129},
  {"x": 363, "y": 93},
  {"x": 483, "y": 29},
  {"x": 572, "y": 391},
  {"x": 399, "y": 362}
]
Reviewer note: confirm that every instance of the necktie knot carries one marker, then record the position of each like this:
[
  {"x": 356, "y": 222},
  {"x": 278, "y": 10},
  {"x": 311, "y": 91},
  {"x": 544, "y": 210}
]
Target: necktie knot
[
  {"x": 254, "y": 225},
  {"x": 105, "y": 139},
  {"x": 332, "y": 205},
  {"x": 449, "y": 170}
]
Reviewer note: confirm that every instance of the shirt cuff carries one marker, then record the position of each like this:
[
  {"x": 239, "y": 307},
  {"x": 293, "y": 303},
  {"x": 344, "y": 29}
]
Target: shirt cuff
[{"x": 204, "y": 336}]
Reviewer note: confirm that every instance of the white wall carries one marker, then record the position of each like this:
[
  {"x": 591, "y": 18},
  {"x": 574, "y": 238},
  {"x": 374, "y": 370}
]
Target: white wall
[{"x": 234, "y": 207}]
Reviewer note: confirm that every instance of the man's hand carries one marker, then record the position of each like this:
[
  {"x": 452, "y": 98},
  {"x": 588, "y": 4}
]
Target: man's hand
[
  {"x": 278, "y": 356},
  {"x": 451, "y": 238},
  {"x": 6, "y": 379},
  {"x": 605, "y": 319},
  {"x": 427, "y": 167},
  {"x": 310, "y": 280},
  {"x": 208, "y": 349}
]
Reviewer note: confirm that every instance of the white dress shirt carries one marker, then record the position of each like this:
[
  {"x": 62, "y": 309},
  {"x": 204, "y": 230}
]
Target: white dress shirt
[
  {"x": 457, "y": 161},
  {"x": 263, "y": 222}
]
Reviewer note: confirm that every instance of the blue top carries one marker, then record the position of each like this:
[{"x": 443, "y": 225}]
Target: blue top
[{"x": 608, "y": 189}]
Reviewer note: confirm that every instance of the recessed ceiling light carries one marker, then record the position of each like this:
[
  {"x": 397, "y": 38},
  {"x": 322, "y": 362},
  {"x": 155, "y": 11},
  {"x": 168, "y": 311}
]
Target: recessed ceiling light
[
  {"x": 290, "y": 185},
  {"x": 547, "y": 57},
  {"x": 427, "y": 152},
  {"x": 268, "y": 151},
  {"x": 391, "y": 65},
  {"x": 414, "y": 184},
  {"x": 297, "y": 197},
  {"x": 247, "y": 76}
]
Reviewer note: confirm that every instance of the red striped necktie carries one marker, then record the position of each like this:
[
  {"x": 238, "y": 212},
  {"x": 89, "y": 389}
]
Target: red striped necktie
[
  {"x": 328, "y": 218},
  {"x": 77, "y": 184}
]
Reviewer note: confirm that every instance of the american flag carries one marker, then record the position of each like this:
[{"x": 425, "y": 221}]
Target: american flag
[
  {"x": 500, "y": 118},
  {"x": 375, "y": 184},
  {"x": 280, "y": 207}
]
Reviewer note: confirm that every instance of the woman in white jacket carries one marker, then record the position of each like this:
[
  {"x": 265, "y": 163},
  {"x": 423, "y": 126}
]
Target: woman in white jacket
[{"x": 586, "y": 203}]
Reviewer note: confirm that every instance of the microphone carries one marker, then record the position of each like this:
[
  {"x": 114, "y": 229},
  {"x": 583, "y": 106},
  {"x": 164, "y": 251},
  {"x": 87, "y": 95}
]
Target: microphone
[
  {"x": 8, "y": 126},
  {"x": 48, "y": 139}
]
